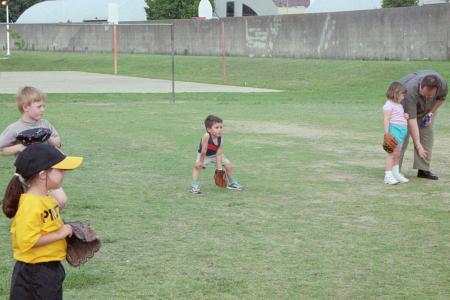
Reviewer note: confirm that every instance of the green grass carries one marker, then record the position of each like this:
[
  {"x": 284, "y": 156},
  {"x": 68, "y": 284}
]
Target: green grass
[{"x": 315, "y": 220}]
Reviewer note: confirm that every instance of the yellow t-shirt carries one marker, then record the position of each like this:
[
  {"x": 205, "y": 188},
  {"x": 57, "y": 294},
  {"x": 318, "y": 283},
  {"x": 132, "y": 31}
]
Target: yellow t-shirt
[{"x": 36, "y": 216}]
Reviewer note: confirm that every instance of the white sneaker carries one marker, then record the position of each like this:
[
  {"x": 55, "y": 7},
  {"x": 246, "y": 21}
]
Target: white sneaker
[
  {"x": 195, "y": 189},
  {"x": 390, "y": 180},
  {"x": 234, "y": 186},
  {"x": 400, "y": 178}
]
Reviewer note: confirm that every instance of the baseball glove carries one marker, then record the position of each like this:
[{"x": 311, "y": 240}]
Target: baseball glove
[
  {"x": 389, "y": 143},
  {"x": 34, "y": 136},
  {"x": 82, "y": 245},
  {"x": 220, "y": 178},
  {"x": 426, "y": 120}
]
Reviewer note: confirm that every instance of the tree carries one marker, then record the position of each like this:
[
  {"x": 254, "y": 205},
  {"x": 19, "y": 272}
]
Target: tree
[
  {"x": 399, "y": 3},
  {"x": 16, "y": 8},
  {"x": 171, "y": 9}
]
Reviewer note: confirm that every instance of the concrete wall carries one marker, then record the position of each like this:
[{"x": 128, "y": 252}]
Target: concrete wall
[{"x": 401, "y": 33}]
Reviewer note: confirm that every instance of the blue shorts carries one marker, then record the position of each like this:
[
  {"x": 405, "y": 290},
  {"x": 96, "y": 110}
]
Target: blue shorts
[{"x": 399, "y": 132}]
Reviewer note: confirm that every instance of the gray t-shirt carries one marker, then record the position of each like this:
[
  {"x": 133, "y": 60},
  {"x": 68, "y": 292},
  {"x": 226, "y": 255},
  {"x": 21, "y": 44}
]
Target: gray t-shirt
[
  {"x": 8, "y": 136},
  {"x": 414, "y": 104}
]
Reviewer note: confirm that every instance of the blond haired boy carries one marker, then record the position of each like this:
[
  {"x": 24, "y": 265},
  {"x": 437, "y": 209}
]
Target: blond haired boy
[{"x": 31, "y": 104}]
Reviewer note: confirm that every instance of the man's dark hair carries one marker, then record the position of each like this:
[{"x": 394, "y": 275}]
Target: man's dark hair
[
  {"x": 430, "y": 81},
  {"x": 211, "y": 120}
]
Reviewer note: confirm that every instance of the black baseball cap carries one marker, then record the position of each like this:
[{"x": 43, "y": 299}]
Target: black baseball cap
[{"x": 40, "y": 157}]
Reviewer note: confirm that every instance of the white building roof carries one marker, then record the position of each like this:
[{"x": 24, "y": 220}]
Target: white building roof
[
  {"x": 58, "y": 11},
  {"x": 318, "y": 6}
]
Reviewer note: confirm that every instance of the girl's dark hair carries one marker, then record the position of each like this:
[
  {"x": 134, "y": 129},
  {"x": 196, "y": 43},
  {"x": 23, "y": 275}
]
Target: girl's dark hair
[
  {"x": 211, "y": 120},
  {"x": 394, "y": 91},
  {"x": 12, "y": 196}
]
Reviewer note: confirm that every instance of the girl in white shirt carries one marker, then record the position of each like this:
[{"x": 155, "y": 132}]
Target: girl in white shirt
[{"x": 395, "y": 123}]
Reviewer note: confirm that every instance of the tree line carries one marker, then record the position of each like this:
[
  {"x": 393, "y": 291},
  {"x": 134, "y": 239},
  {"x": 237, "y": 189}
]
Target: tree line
[{"x": 16, "y": 8}]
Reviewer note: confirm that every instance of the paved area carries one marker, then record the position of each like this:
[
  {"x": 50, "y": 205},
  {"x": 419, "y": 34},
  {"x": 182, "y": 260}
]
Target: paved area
[{"x": 83, "y": 82}]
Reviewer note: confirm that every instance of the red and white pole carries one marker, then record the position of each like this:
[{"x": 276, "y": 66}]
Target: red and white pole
[{"x": 115, "y": 48}]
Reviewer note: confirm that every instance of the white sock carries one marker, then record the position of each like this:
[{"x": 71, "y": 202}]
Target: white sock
[
  {"x": 388, "y": 173},
  {"x": 396, "y": 171}
]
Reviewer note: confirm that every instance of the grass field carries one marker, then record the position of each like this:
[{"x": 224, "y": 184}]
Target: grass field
[{"x": 315, "y": 220}]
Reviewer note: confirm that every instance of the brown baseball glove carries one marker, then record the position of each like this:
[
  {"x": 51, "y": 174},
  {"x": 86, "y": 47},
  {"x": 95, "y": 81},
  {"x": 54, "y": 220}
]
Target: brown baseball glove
[
  {"x": 389, "y": 143},
  {"x": 82, "y": 245},
  {"x": 220, "y": 178}
]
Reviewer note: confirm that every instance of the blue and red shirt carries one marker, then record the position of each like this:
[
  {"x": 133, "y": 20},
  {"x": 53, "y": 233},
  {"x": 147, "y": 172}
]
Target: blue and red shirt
[{"x": 212, "y": 148}]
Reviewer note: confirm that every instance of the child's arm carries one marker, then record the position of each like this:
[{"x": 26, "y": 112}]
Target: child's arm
[
  {"x": 219, "y": 157},
  {"x": 55, "y": 142},
  {"x": 59, "y": 196},
  {"x": 200, "y": 162},
  {"x": 60, "y": 234},
  {"x": 8, "y": 142},
  {"x": 54, "y": 139},
  {"x": 386, "y": 118},
  {"x": 11, "y": 150}
]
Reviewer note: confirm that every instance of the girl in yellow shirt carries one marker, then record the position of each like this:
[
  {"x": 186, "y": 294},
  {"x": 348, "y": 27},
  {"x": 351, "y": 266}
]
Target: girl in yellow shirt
[{"x": 37, "y": 231}]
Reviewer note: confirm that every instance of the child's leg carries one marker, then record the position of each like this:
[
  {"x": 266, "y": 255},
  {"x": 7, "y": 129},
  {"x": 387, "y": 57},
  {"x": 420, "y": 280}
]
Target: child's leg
[
  {"x": 49, "y": 284},
  {"x": 396, "y": 165},
  {"x": 37, "y": 281},
  {"x": 388, "y": 176},
  {"x": 396, "y": 155},
  {"x": 196, "y": 172},
  {"x": 20, "y": 288},
  {"x": 232, "y": 183},
  {"x": 389, "y": 163},
  {"x": 400, "y": 134},
  {"x": 226, "y": 163},
  {"x": 198, "y": 167},
  {"x": 60, "y": 196},
  {"x": 229, "y": 169}
]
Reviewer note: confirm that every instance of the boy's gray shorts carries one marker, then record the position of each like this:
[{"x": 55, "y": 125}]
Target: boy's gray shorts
[{"x": 213, "y": 160}]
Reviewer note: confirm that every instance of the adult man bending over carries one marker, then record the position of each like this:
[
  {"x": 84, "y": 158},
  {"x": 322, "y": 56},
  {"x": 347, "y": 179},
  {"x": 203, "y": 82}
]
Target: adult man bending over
[{"x": 425, "y": 93}]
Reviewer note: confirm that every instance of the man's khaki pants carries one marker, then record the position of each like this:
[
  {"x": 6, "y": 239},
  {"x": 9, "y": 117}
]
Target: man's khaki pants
[{"x": 427, "y": 140}]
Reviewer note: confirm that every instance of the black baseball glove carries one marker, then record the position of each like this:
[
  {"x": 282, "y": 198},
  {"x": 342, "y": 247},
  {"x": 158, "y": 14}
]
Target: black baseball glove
[{"x": 34, "y": 136}]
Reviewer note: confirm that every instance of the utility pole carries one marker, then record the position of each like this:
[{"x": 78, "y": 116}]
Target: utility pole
[{"x": 5, "y": 3}]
